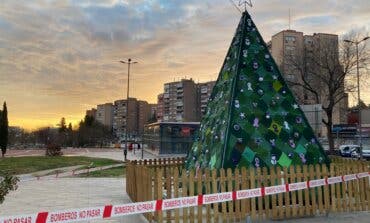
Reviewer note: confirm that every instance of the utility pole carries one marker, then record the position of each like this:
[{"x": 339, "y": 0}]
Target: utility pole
[
  {"x": 358, "y": 89},
  {"x": 128, "y": 62}
]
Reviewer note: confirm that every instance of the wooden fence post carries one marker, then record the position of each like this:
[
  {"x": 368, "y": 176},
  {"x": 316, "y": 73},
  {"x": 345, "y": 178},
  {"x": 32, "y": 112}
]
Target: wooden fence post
[
  {"x": 306, "y": 191},
  {"x": 176, "y": 188},
  {"x": 280, "y": 196},
  {"x": 223, "y": 189},
  {"x": 288, "y": 206},
  {"x": 265, "y": 182},
  {"x": 200, "y": 192},
  {"x": 159, "y": 193},
  {"x": 215, "y": 184},
  {"x": 231, "y": 215},
  {"x": 245, "y": 203},
  {"x": 207, "y": 182},
  {"x": 191, "y": 193},
  {"x": 300, "y": 195},
  {"x": 326, "y": 189},
  {"x": 238, "y": 184},
  {"x": 252, "y": 174},
  {"x": 312, "y": 190},
  {"x": 185, "y": 182},
  {"x": 292, "y": 177},
  {"x": 273, "y": 197}
]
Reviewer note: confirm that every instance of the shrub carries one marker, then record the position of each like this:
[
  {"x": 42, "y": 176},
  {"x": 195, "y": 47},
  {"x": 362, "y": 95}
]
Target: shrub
[
  {"x": 53, "y": 150},
  {"x": 7, "y": 183}
]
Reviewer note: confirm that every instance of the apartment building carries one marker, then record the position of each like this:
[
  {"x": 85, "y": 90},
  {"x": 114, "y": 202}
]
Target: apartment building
[
  {"x": 204, "y": 93},
  {"x": 295, "y": 53},
  {"x": 160, "y": 107},
  {"x": 104, "y": 114},
  {"x": 180, "y": 102},
  {"x": 120, "y": 123},
  {"x": 143, "y": 115},
  {"x": 91, "y": 113},
  {"x": 139, "y": 113}
]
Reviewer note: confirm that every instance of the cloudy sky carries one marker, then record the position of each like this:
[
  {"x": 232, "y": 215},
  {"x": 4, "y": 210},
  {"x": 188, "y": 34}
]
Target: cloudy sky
[{"x": 60, "y": 57}]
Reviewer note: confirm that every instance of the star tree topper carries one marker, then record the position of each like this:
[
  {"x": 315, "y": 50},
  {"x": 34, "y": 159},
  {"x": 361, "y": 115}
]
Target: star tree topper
[{"x": 245, "y": 3}]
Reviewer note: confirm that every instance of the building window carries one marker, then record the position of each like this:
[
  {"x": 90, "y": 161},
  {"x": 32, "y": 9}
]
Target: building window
[
  {"x": 289, "y": 77},
  {"x": 290, "y": 39},
  {"x": 290, "y": 48}
]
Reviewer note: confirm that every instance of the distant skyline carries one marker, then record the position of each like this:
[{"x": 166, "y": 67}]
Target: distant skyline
[{"x": 60, "y": 58}]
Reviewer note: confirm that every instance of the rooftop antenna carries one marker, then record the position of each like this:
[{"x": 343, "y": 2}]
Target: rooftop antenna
[
  {"x": 289, "y": 20},
  {"x": 240, "y": 5}
]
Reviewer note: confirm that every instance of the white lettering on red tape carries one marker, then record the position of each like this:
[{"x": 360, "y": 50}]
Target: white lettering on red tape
[
  {"x": 275, "y": 189},
  {"x": 297, "y": 186},
  {"x": 134, "y": 208},
  {"x": 317, "y": 183},
  {"x": 349, "y": 177},
  {"x": 334, "y": 180},
  {"x": 243, "y": 194},
  {"x": 76, "y": 215},
  {"x": 362, "y": 175},
  {"x": 180, "y": 202},
  {"x": 20, "y": 219},
  {"x": 216, "y": 198}
]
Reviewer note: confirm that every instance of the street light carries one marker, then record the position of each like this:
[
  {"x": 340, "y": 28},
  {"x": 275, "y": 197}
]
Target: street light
[
  {"x": 358, "y": 88},
  {"x": 128, "y": 62}
]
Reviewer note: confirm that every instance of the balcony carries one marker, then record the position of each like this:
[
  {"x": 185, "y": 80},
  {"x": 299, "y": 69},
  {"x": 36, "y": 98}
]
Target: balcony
[{"x": 203, "y": 90}]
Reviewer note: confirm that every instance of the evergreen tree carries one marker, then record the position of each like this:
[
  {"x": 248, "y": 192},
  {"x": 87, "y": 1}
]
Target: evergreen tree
[
  {"x": 70, "y": 127},
  {"x": 252, "y": 117},
  {"x": 62, "y": 125},
  {"x": 4, "y": 130}
]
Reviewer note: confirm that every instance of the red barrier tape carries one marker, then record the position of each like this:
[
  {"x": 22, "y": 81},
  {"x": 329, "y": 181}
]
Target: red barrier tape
[
  {"x": 107, "y": 211},
  {"x": 111, "y": 211}
]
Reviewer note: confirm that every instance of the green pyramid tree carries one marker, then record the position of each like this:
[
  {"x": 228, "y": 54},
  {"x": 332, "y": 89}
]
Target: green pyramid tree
[{"x": 252, "y": 116}]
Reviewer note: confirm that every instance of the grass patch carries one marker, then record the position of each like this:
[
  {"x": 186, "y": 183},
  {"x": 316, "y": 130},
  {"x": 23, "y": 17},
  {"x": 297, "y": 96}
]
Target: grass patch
[
  {"x": 112, "y": 172},
  {"x": 29, "y": 164}
]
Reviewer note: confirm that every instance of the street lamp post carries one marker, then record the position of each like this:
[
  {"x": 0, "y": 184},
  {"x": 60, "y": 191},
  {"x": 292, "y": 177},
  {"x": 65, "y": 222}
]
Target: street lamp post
[
  {"x": 128, "y": 62},
  {"x": 358, "y": 89}
]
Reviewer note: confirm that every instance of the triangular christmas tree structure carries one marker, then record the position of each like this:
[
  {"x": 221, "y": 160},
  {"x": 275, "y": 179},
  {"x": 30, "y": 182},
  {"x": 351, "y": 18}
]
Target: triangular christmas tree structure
[{"x": 252, "y": 116}]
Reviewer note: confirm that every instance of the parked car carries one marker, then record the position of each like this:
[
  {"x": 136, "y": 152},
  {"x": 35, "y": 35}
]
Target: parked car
[
  {"x": 365, "y": 153},
  {"x": 346, "y": 150}
]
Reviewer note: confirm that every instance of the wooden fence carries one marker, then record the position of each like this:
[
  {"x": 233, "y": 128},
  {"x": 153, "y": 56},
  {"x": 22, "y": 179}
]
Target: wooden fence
[{"x": 146, "y": 181}]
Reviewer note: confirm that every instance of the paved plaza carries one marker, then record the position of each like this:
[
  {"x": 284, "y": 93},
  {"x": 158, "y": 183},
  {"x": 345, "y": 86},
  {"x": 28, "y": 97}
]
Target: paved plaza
[{"x": 67, "y": 193}]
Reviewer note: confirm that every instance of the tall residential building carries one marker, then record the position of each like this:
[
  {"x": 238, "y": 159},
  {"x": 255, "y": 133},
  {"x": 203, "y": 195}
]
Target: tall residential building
[
  {"x": 180, "y": 101},
  {"x": 160, "y": 107},
  {"x": 204, "y": 93},
  {"x": 119, "y": 117},
  {"x": 104, "y": 114},
  {"x": 284, "y": 46},
  {"x": 293, "y": 50},
  {"x": 143, "y": 112},
  {"x": 153, "y": 111},
  {"x": 91, "y": 113}
]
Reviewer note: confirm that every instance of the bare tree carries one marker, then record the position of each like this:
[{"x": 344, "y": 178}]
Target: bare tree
[{"x": 326, "y": 72}]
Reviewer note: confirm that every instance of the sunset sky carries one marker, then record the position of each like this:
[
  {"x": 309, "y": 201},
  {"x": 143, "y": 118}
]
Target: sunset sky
[{"x": 59, "y": 58}]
